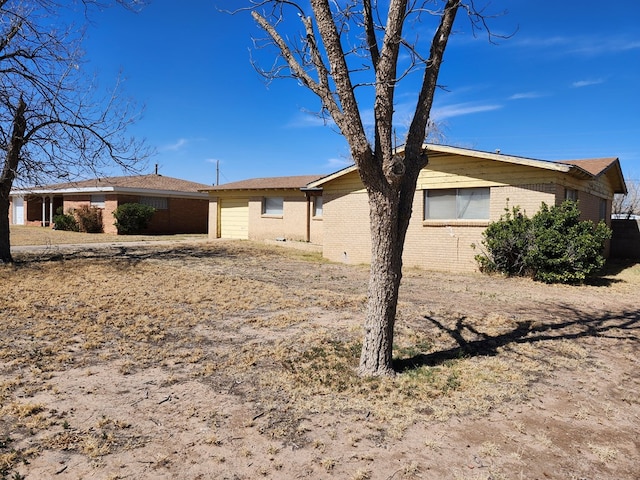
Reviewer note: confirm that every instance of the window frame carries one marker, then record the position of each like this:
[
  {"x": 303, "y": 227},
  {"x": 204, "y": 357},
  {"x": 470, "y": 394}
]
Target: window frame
[
  {"x": 570, "y": 194},
  {"x": 603, "y": 206},
  {"x": 268, "y": 210},
  {"x": 158, "y": 203},
  {"x": 314, "y": 213},
  {"x": 98, "y": 200},
  {"x": 457, "y": 207}
]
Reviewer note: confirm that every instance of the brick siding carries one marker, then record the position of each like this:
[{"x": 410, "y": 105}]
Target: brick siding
[{"x": 433, "y": 245}]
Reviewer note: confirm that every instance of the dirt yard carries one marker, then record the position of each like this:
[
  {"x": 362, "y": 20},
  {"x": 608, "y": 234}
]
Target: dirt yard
[{"x": 236, "y": 361}]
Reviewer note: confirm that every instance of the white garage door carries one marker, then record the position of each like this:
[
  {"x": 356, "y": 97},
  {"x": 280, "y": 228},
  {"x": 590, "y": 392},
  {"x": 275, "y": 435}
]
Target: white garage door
[{"x": 234, "y": 218}]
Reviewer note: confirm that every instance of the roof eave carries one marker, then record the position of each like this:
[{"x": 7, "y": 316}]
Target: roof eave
[{"x": 112, "y": 189}]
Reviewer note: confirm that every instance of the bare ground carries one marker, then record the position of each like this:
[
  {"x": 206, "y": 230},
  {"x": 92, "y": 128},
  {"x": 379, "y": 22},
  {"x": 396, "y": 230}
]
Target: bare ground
[{"x": 236, "y": 361}]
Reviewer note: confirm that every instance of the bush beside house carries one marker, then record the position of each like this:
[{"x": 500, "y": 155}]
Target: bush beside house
[
  {"x": 553, "y": 246},
  {"x": 132, "y": 218}
]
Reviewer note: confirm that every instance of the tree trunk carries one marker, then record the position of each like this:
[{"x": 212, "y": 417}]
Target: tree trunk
[
  {"x": 7, "y": 176},
  {"x": 384, "y": 283},
  {"x": 5, "y": 244},
  {"x": 390, "y": 210}
]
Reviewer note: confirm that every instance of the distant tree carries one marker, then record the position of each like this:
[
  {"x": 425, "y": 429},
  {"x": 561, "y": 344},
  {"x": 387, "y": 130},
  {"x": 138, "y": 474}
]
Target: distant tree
[
  {"x": 626, "y": 206},
  {"x": 370, "y": 46},
  {"x": 53, "y": 124}
]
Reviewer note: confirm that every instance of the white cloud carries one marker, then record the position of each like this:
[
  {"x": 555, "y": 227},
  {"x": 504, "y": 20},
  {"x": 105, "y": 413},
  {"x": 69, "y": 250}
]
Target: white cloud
[
  {"x": 526, "y": 95},
  {"x": 338, "y": 163},
  {"x": 587, "y": 83},
  {"x": 460, "y": 109},
  {"x": 177, "y": 145},
  {"x": 307, "y": 119},
  {"x": 582, "y": 45}
]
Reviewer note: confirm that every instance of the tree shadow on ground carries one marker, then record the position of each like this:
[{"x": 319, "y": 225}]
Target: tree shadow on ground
[
  {"x": 623, "y": 325},
  {"x": 612, "y": 268},
  {"x": 130, "y": 254}
]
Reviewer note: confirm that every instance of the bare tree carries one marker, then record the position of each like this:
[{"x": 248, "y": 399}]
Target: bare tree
[
  {"x": 346, "y": 46},
  {"x": 53, "y": 125},
  {"x": 628, "y": 206}
]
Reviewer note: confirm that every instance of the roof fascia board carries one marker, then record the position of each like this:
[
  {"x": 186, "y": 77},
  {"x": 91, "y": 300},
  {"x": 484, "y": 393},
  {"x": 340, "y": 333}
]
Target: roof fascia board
[
  {"x": 53, "y": 191},
  {"x": 132, "y": 190},
  {"x": 545, "y": 164},
  {"x": 445, "y": 149},
  {"x": 221, "y": 190},
  {"x": 332, "y": 176}
]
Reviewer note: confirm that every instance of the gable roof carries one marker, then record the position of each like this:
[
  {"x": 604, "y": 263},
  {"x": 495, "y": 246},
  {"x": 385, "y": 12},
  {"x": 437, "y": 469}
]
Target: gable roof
[
  {"x": 602, "y": 166},
  {"x": 267, "y": 183},
  {"x": 145, "y": 184},
  {"x": 585, "y": 168}
]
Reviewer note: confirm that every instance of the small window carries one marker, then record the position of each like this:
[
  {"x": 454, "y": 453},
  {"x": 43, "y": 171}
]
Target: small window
[
  {"x": 159, "y": 203},
  {"x": 603, "y": 209},
  {"x": 98, "y": 200},
  {"x": 457, "y": 204},
  {"x": 272, "y": 206},
  {"x": 317, "y": 207},
  {"x": 571, "y": 194}
]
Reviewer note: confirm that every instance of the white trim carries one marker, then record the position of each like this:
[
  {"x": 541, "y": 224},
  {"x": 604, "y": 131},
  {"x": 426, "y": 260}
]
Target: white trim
[{"x": 140, "y": 191}]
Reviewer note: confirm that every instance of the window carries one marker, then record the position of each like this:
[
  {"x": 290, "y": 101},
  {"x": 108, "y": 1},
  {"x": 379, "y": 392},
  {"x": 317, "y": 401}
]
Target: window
[
  {"x": 457, "y": 204},
  {"x": 603, "y": 209},
  {"x": 317, "y": 207},
  {"x": 272, "y": 206},
  {"x": 98, "y": 200},
  {"x": 571, "y": 194},
  {"x": 159, "y": 203}
]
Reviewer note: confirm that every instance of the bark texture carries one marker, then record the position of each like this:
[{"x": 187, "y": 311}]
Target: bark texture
[
  {"x": 319, "y": 60},
  {"x": 9, "y": 169}
]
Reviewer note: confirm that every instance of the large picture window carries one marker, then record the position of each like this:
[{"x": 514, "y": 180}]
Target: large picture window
[
  {"x": 272, "y": 206},
  {"x": 457, "y": 204}
]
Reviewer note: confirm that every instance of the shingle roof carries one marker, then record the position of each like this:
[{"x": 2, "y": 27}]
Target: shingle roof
[
  {"x": 595, "y": 166},
  {"x": 269, "y": 183},
  {"x": 133, "y": 182}
]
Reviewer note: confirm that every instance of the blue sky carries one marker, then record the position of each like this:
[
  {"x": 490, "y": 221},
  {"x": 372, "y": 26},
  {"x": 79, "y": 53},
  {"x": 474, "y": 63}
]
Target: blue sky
[{"x": 565, "y": 86}]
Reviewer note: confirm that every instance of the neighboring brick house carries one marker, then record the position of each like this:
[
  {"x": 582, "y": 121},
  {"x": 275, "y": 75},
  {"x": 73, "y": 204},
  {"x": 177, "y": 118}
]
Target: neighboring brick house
[
  {"x": 181, "y": 206},
  {"x": 266, "y": 208},
  {"x": 458, "y": 193}
]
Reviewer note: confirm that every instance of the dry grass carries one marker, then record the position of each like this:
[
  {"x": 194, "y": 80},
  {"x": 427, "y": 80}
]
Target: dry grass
[
  {"x": 275, "y": 329},
  {"x": 29, "y": 235}
]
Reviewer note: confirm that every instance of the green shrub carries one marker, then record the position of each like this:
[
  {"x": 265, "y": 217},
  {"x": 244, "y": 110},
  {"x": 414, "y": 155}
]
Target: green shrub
[
  {"x": 566, "y": 249},
  {"x": 89, "y": 219},
  {"x": 554, "y": 246},
  {"x": 64, "y": 221},
  {"x": 507, "y": 242},
  {"x": 132, "y": 218}
]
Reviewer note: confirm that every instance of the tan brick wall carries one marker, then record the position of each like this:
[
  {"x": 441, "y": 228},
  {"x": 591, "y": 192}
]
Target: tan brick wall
[
  {"x": 527, "y": 197},
  {"x": 434, "y": 245},
  {"x": 316, "y": 230},
  {"x": 291, "y": 225},
  {"x": 346, "y": 224}
]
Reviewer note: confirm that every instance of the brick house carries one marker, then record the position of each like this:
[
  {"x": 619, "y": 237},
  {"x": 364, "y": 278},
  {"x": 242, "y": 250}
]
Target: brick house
[
  {"x": 267, "y": 208},
  {"x": 181, "y": 206},
  {"x": 458, "y": 193}
]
